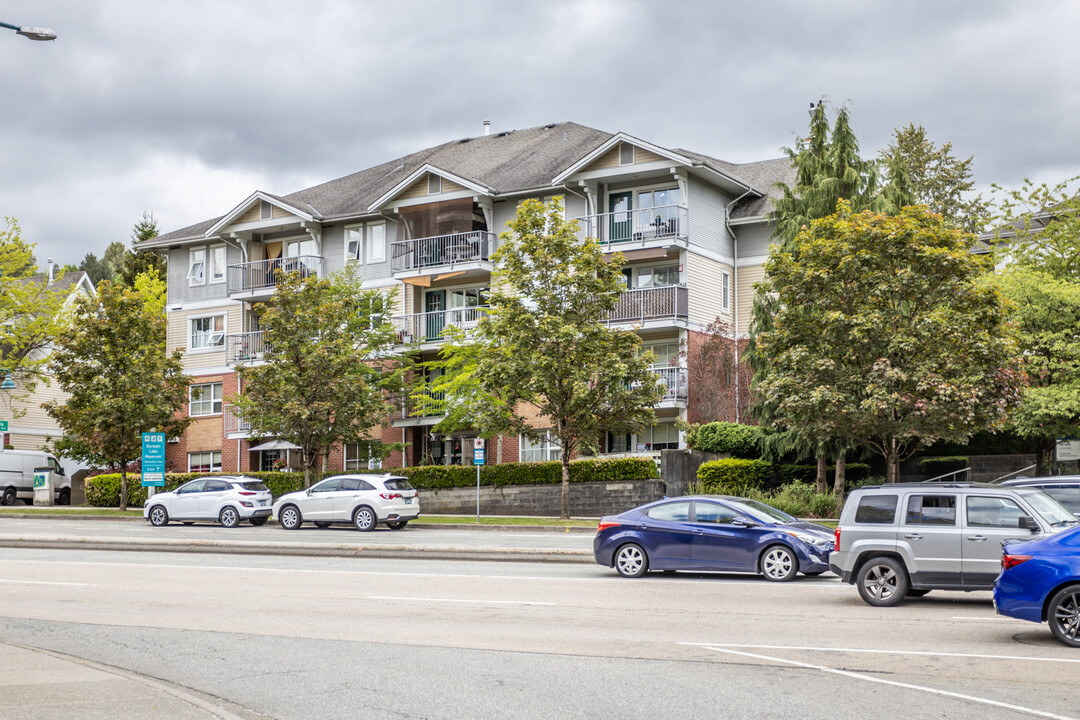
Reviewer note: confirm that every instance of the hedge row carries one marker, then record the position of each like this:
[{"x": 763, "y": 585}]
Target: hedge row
[
  {"x": 853, "y": 473},
  {"x": 104, "y": 490},
  {"x": 736, "y": 439},
  {"x": 937, "y": 466},
  {"x": 732, "y": 476}
]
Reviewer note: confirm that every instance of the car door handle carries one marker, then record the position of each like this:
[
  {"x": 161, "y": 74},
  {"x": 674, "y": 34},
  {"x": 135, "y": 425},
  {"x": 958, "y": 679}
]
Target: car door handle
[
  {"x": 699, "y": 532},
  {"x": 914, "y": 536},
  {"x": 642, "y": 527},
  {"x": 976, "y": 538}
]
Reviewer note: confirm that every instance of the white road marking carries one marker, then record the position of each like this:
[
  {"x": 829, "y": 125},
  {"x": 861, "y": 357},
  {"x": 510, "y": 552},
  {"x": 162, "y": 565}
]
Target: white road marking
[
  {"x": 42, "y": 582},
  {"x": 456, "y": 600},
  {"x": 716, "y": 646},
  {"x": 894, "y": 683},
  {"x": 971, "y": 618}
]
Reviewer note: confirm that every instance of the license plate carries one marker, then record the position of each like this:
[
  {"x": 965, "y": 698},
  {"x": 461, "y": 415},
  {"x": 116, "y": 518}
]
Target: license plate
[
  {"x": 408, "y": 500},
  {"x": 262, "y": 502}
]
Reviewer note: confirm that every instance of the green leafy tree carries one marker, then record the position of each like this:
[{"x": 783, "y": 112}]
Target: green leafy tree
[
  {"x": 544, "y": 350},
  {"x": 138, "y": 262},
  {"x": 884, "y": 339},
  {"x": 1046, "y": 316},
  {"x": 1038, "y": 226},
  {"x": 937, "y": 178},
  {"x": 328, "y": 372},
  {"x": 111, "y": 361}
]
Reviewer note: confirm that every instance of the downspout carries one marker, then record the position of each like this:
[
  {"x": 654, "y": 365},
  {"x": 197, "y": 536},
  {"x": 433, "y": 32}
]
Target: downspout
[{"x": 735, "y": 295}]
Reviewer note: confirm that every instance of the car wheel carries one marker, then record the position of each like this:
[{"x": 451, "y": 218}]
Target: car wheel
[
  {"x": 1063, "y": 613},
  {"x": 779, "y": 564},
  {"x": 631, "y": 561},
  {"x": 397, "y": 524},
  {"x": 882, "y": 582},
  {"x": 10, "y": 496},
  {"x": 321, "y": 524},
  {"x": 918, "y": 593},
  {"x": 159, "y": 516},
  {"x": 290, "y": 518},
  {"x": 65, "y": 497},
  {"x": 229, "y": 517},
  {"x": 257, "y": 521},
  {"x": 364, "y": 519}
]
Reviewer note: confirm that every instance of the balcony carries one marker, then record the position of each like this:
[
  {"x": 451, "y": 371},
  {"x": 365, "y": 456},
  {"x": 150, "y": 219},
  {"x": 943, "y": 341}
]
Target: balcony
[
  {"x": 641, "y": 228},
  {"x": 653, "y": 307},
  {"x": 425, "y": 256},
  {"x": 257, "y": 280},
  {"x": 430, "y": 327},
  {"x": 673, "y": 381},
  {"x": 234, "y": 426},
  {"x": 244, "y": 348},
  {"x": 406, "y": 414}
]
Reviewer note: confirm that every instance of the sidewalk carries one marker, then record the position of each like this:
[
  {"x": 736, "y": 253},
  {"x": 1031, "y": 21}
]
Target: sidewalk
[{"x": 43, "y": 685}]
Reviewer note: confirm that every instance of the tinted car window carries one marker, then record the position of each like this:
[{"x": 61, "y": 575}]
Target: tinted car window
[
  {"x": 252, "y": 485},
  {"x": 713, "y": 513},
  {"x": 398, "y": 484},
  {"x": 192, "y": 487},
  {"x": 1067, "y": 495},
  {"x": 993, "y": 512},
  {"x": 328, "y": 485},
  {"x": 352, "y": 484},
  {"x": 216, "y": 485},
  {"x": 931, "y": 510},
  {"x": 876, "y": 509},
  {"x": 672, "y": 512}
]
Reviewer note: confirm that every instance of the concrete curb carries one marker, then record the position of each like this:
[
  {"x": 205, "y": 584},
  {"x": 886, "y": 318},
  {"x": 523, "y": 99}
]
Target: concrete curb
[{"x": 236, "y": 547}]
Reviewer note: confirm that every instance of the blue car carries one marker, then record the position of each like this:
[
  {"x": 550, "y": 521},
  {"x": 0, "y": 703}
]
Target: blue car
[
  {"x": 1040, "y": 582},
  {"x": 706, "y": 532}
]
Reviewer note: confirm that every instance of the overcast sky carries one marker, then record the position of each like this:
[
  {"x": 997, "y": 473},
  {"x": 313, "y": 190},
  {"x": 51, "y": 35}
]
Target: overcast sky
[{"x": 184, "y": 108}]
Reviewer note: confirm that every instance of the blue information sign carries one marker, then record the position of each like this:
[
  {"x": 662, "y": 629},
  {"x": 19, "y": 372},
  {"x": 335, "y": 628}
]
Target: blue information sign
[
  {"x": 478, "y": 456},
  {"x": 153, "y": 459}
]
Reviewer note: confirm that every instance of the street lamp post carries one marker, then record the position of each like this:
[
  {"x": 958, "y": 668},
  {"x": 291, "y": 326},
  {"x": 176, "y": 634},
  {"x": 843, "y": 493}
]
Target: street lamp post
[{"x": 31, "y": 32}]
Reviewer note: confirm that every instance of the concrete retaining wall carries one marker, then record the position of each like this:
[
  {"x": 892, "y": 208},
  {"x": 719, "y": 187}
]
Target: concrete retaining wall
[{"x": 586, "y": 499}]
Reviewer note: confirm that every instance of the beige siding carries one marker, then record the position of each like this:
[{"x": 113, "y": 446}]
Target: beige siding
[
  {"x": 252, "y": 214},
  {"x": 610, "y": 159},
  {"x": 29, "y": 410},
  {"x": 419, "y": 189},
  {"x": 276, "y": 212},
  {"x": 704, "y": 281},
  {"x": 177, "y": 338},
  {"x": 748, "y": 276}
]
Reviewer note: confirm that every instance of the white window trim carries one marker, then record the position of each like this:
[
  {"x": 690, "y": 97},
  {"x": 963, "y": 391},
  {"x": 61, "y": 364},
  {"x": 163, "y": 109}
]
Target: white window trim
[
  {"x": 438, "y": 184},
  {"x": 369, "y": 242},
  {"x": 266, "y": 210},
  {"x": 725, "y": 290},
  {"x": 193, "y": 279},
  {"x": 545, "y": 446},
  {"x": 209, "y": 414},
  {"x": 633, "y": 152},
  {"x": 224, "y": 332},
  {"x": 359, "y": 257},
  {"x": 206, "y": 452},
  {"x": 210, "y": 265}
]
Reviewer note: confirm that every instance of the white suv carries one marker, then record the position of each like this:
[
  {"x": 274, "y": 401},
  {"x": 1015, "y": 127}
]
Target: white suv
[
  {"x": 363, "y": 500},
  {"x": 223, "y": 498}
]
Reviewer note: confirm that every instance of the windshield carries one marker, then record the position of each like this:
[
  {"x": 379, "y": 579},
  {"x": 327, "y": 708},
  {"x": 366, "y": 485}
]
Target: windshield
[
  {"x": 1050, "y": 509},
  {"x": 253, "y": 485},
  {"x": 761, "y": 512},
  {"x": 398, "y": 484}
]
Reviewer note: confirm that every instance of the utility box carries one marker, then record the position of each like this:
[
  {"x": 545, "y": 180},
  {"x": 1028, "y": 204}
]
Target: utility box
[{"x": 43, "y": 486}]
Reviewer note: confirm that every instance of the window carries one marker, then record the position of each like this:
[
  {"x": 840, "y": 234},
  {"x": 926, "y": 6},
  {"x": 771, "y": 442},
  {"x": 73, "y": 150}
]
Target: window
[
  {"x": 217, "y": 264},
  {"x": 194, "y": 486},
  {"x": 1067, "y": 495},
  {"x": 543, "y": 450},
  {"x": 662, "y": 276},
  {"x": 266, "y": 210},
  {"x": 713, "y": 513},
  {"x": 196, "y": 266},
  {"x": 202, "y": 462},
  {"x": 357, "y": 458},
  {"x": 204, "y": 399},
  {"x": 434, "y": 184},
  {"x": 328, "y": 485},
  {"x": 354, "y": 235},
  {"x": 664, "y": 354},
  {"x": 876, "y": 509},
  {"x": 207, "y": 332},
  {"x": 658, "y": 199},
  {"x": 993, "y": 512},
  {"x": 725, "y": 290},
  {"x": 670, "y": 512},
  {"x": 376, "y": 242},
  {"x": 664, "y": 436},
  {"x": 626, "y": 154},
  {"x": 931, "y": 510},
  {"x": 217, "y": 485}
]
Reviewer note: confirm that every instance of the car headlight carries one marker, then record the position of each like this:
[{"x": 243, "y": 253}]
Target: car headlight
[{"x": 810, "y": 539}]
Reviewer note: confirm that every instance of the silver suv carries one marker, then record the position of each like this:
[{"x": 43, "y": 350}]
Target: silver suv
[{"x": 910, "y": 538}]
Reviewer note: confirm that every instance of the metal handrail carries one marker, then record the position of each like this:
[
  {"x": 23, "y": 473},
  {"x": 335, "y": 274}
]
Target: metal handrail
[
  {"x": 244, "y": 347},
  {"x": 233, "y": 423},
  {"x": 441, "y": 250},
  {"x": 1017, "y": 472},
  {"x": 261, "y": 274},
  {"x": 660, "y": 303},
  {"x": 431, "y": 326},
  {"x": 636, "y": 226},
  {"x": 966, "y": 471},
  {"x": 674, "y": 379}
]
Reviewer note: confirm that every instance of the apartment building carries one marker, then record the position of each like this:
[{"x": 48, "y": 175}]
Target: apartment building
[{"x": 692, "y": 230}]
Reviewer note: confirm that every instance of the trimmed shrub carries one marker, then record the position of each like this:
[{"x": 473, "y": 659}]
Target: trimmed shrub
[
  {"x": 736, "y": 439},
  {"x": 733, "y": 476},
  {"x": 935, "y": 467}
]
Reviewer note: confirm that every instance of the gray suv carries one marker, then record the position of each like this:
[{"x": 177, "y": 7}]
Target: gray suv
[{"x": 910, "y": 538}]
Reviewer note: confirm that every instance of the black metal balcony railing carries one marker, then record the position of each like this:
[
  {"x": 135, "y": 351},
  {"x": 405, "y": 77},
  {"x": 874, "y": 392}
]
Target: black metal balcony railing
[
  {"x": 245, "y": 347},
  {"x": 637, "y": 226},
  {"x": 233, "y": 423},
  {"x": 660, "y": 303},
  {"x": 431, "y": 326},
  {"x": 441, "y": 250},
  {"x": 263, "y": 274}
]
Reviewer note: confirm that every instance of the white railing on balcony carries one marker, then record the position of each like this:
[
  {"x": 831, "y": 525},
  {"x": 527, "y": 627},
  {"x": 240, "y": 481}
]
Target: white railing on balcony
[
  {"x": 660, "y": 303},
  {"x": 431, "y": 326},
  {"x": 441, "y": 250},
  {"x": 233, "y": 422},
  {"x": 263, "y": 274},
  {"x": 245, "y": 347},
  {"x": 673, "y": 380},
  {"x": 406, "y": 407},
  {"x": 636, "y": 226}
]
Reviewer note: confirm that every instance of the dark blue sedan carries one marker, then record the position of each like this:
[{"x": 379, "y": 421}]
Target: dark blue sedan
[
  {"x": 1040, "y": 582},
  {"x": 706, "y": 532}
]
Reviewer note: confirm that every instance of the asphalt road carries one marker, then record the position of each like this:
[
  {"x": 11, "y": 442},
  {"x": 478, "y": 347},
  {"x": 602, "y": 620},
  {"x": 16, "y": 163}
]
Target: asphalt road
[{"x": 302, "y": 637}]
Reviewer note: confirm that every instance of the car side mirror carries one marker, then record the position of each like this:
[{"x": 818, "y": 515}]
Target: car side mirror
[
  {"x": 1028, "y": 523},
  {"x": 309, "y": 491},
  {"x": 743, "y": 522}
]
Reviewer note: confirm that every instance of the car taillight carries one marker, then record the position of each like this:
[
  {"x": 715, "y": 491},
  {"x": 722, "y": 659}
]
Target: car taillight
[
  {"x": 246, "y": 503},
  {"x": 836, "y": 542},
  {"x": 1011, "y": 561},
  {"x": 390, "y": 496},
  {"x": 245, "y": 492},
  {"x": 605, "y": 525}
]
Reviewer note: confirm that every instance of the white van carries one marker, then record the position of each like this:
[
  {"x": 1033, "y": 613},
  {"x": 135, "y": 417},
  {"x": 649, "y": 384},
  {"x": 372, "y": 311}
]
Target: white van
[{"x": 17, "y": 476}]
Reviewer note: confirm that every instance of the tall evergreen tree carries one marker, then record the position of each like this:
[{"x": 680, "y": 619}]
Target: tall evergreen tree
[{"x": 139, "y": 262}]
